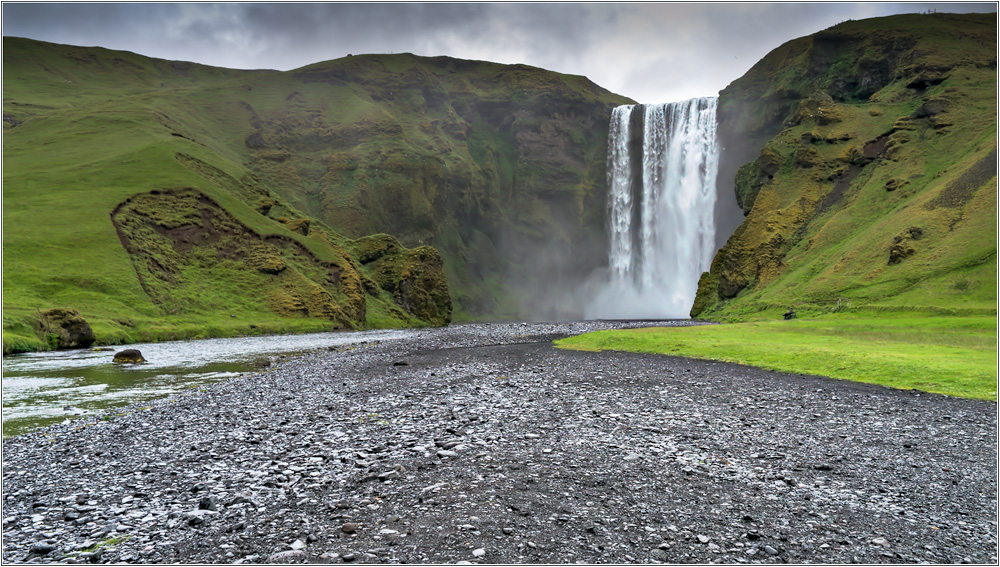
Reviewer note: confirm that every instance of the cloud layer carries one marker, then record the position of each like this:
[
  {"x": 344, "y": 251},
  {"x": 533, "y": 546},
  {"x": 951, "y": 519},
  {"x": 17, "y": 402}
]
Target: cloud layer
[{"x": 650, "y": 52}]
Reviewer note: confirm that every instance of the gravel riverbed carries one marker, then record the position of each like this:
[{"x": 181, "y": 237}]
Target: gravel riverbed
[{"x": 484, "y": 444}]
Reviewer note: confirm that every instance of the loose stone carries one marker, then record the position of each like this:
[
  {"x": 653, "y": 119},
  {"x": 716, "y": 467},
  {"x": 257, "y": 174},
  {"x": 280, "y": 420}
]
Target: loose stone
[
  {"x": 285, "y": 556},
  {"x": 349, "y": 528}
]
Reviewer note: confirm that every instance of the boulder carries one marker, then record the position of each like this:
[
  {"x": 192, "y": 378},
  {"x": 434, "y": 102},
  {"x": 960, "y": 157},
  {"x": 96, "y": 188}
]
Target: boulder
[
  {"x": 65, "y": 328},
  {"x": 129, "y": 356}
]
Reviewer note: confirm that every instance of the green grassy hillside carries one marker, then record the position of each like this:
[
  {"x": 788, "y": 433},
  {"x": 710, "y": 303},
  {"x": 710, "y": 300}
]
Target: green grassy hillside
[
  {"x": 868, "y": 172},
  {"x": 246, "y": 188},
  {"x": 126, "y": 197}
]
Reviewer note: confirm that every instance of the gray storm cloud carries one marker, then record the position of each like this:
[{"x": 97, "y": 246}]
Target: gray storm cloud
[{"x": 649, "y": 52}]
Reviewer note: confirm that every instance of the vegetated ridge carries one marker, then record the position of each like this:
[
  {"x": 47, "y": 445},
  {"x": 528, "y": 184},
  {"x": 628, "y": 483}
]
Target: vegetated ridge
[
  {"x": 865, "y": 159},
  {"x": 500, "y": 167},
  {"x": 160, "y": 199}
]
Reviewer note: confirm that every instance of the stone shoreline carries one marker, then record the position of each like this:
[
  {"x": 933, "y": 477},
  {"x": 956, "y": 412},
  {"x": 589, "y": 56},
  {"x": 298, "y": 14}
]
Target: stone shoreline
[{"x": 484, "y": 444}]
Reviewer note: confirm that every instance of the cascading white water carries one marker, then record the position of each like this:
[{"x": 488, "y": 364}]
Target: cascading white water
[
  {"x": 620, "y": 193},
  {"x": 661, "y": 206}
]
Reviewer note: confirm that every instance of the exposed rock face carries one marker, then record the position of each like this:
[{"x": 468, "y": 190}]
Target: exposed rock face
[
  {"x": 826, "y": 152},
  {"x": 65, "y": 328}
]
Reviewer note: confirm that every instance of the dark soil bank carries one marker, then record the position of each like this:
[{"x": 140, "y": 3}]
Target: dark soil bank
[{"x": 483, "y": 443}]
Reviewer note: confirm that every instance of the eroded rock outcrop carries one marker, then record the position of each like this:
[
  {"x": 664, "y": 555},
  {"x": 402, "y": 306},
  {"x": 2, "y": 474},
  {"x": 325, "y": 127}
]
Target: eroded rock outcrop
[
  {"x": 190, "y": 254},
  {"x": 415, "y": 278},
  {"x": 65, "y": 328}
]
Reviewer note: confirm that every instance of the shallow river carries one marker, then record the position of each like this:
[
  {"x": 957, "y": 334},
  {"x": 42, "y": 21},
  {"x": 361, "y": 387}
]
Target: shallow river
[{"x": 44, "y": 388}]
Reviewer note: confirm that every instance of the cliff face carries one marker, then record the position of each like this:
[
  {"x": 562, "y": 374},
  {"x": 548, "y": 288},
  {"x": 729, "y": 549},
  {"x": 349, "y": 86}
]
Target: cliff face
[
  {"x": 864, "y": 158},
  {"x": 499, "y": 167}
]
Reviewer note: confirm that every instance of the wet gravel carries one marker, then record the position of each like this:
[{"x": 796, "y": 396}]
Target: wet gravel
[{"x": 484, "y": 444}]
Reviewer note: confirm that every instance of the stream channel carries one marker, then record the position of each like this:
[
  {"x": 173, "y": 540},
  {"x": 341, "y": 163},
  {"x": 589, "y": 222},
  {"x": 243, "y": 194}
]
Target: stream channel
[{"x": 44, "y": 388}]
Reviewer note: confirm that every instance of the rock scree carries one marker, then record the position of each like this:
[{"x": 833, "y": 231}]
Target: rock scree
[{"x": 492, "y": 446}]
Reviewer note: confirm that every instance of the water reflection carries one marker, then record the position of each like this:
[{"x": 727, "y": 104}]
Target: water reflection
[{"x": 44, "y": 388}]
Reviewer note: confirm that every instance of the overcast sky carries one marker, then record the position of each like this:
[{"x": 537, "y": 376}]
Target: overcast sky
[{"x": 649, "y": 52}]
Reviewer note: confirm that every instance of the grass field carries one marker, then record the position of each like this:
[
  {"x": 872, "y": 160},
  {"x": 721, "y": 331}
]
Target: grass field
[{"x": 956, "y": 356}]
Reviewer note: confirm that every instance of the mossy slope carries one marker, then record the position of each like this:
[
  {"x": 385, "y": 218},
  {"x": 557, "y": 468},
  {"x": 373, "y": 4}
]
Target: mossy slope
[
  {"x": 500, "y": 167},
  {"x": 868, "y": 171}
]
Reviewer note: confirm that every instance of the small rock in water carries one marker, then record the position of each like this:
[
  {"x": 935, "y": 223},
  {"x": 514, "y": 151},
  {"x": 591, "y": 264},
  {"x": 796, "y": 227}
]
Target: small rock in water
[{"x": 128, "y": 356}]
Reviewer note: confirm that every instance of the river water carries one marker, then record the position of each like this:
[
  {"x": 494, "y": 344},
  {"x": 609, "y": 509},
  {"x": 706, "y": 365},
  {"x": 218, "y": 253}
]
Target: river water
[{"x": 40, "y": 389}]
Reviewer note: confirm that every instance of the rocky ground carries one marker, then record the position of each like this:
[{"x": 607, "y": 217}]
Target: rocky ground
[{"x": 484, "y": 444}]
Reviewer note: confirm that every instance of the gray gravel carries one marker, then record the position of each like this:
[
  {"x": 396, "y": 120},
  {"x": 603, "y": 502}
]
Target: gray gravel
[{"x": 484, "y": 444}]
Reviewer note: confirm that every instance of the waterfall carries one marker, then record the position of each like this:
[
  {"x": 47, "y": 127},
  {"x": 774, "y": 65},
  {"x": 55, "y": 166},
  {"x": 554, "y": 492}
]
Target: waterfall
[{"x": 662, "y": 165}]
